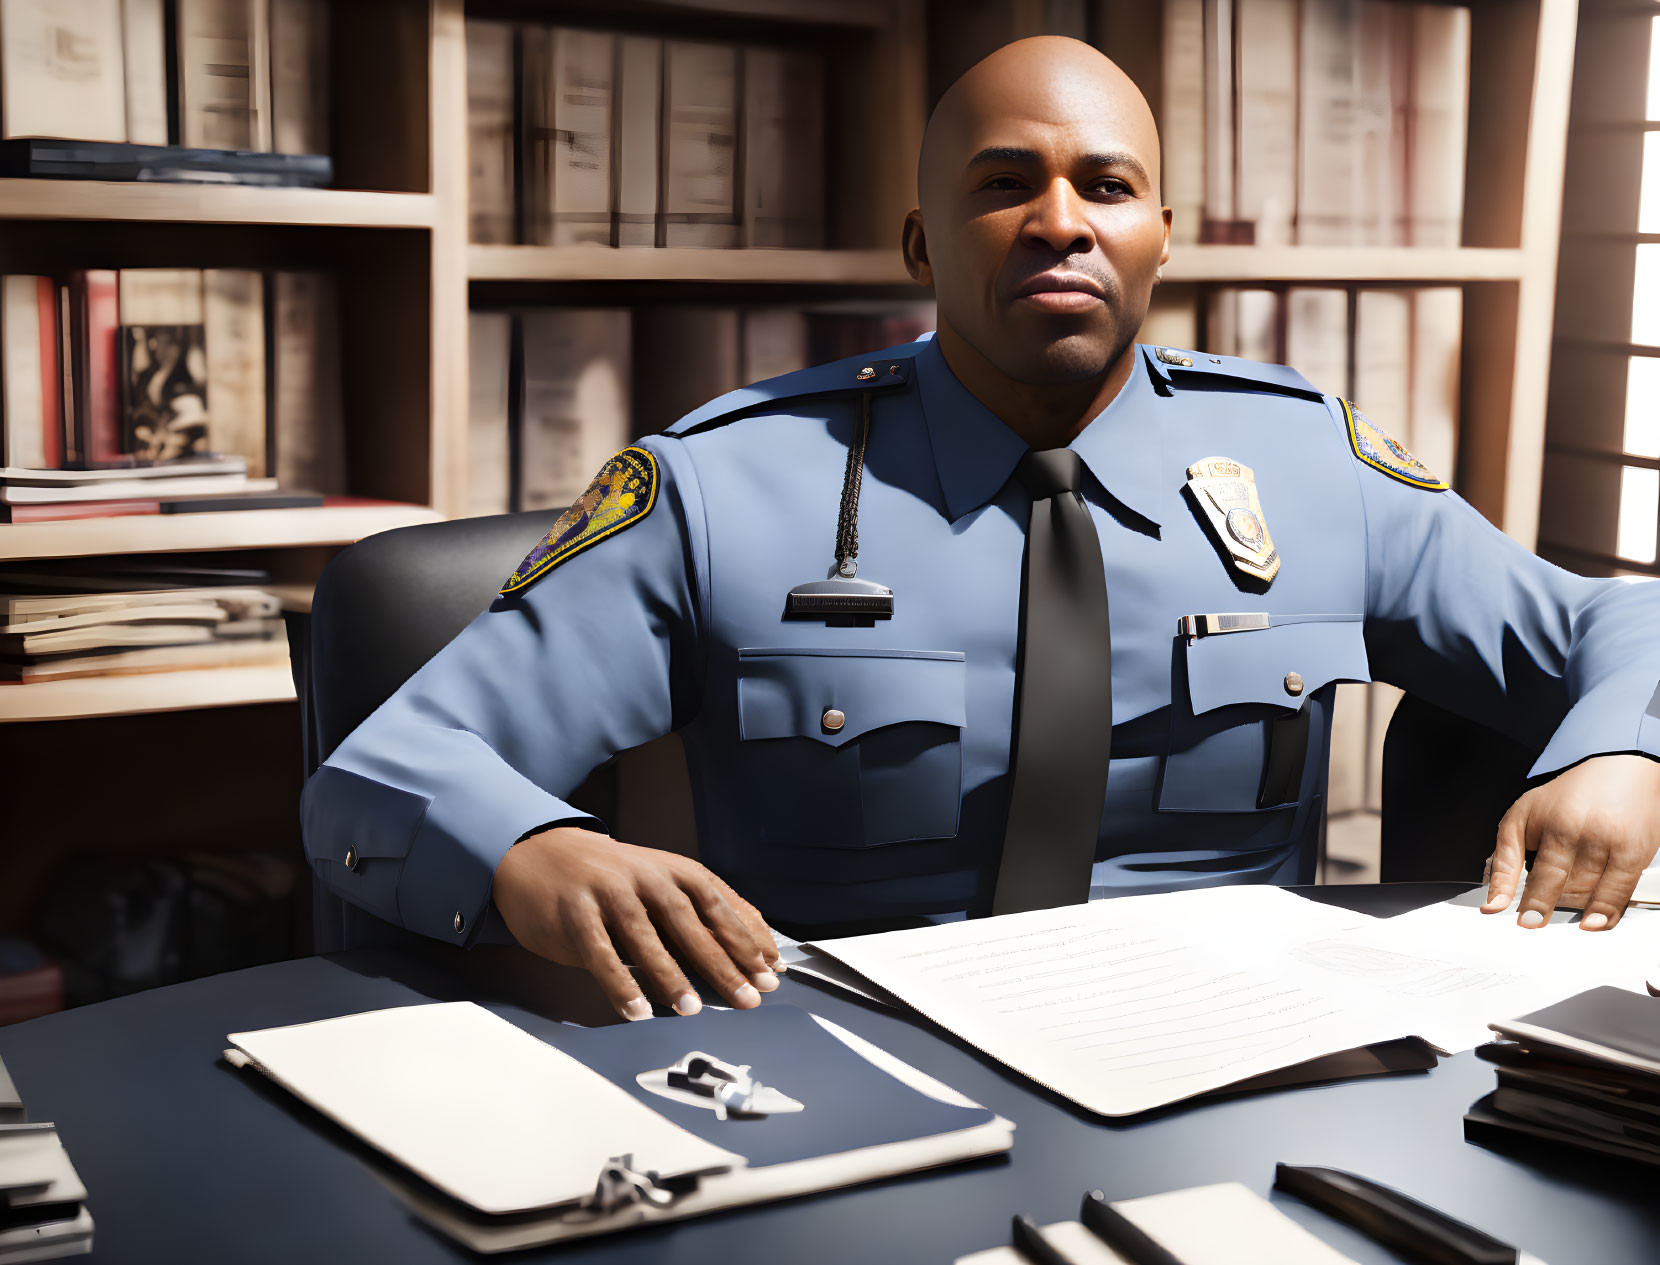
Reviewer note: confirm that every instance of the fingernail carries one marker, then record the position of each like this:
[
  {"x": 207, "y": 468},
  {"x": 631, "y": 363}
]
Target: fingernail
[
  {"x": 1533, "y": 918},
  {"x": 1594, "y": 922},
  {"x": 635, "y": 1009},
  {"x": 747, "y": 996},
  {"x": 766, "y": 981},
  {"x": 688, "y": 1004},
  {"x": 778, "y": 966}
]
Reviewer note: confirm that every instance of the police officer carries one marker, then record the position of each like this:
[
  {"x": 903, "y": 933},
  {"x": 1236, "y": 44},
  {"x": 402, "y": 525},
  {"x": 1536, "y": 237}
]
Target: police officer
[{"x": 1000, "y": 619}]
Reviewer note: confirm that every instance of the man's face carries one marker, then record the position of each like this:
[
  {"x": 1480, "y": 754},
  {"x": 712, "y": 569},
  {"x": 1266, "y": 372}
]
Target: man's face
[{"x": 1041, "y": 229}]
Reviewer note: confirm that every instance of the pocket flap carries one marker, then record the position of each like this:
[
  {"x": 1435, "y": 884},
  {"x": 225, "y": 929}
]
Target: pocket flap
[
  {"x": 1254, "y": 666},
  {"x": 786, "y": 693}
]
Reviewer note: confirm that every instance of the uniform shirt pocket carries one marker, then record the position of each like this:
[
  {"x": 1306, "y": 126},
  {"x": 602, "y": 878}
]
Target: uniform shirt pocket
[
  {"x": 1241, "y": 709},
  {"x": 852, "y": 748}
]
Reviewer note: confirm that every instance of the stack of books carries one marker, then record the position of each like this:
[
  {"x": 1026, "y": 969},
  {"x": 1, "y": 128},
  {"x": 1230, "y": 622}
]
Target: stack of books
[
  {"x": 212, "y": 483},
  {"x": 43, "y": 1213},
  {"x": 1326, "y": 122},
  {"x": 555, "y": 390},
  {"x": 229, "y": 83},
  {"x": 630, "y": 140},
  {"x": 102, "y": 369},
  {"x": 1582, "y": 1074},
  {"x": 47, "y": 636}
]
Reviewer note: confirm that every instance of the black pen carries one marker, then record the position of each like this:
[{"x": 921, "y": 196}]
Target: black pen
[
  {"x": 1034, "y": 1245},
  {"x": 1121, "y": 1234}
]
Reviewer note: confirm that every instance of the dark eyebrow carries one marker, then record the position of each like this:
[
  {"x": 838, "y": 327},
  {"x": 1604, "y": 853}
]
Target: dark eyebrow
[{"x": 1015, "y": 154}]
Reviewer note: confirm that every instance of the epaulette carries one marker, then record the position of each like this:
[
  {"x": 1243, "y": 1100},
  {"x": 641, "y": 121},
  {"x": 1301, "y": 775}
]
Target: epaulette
[
  {"x": 879, "y": 371},
  {"x": 1196, "y": 369}
]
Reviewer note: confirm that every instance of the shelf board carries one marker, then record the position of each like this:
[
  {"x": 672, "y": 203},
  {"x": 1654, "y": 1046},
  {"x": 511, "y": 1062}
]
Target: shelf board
[
  {"x": 110, "y": 200},
  {"x": 1342, "y": 263},
  {"x": 87, "y": 697},
  {"x": 682, "y": 263},
  {"x": 885, "y": 268},
  {"x": 239, "y": 529}
]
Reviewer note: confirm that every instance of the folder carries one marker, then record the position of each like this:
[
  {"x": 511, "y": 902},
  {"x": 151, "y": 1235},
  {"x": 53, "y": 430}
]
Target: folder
[
  {"x": 43, "y": 1211},
  {"x": 502, "y": 1139}
]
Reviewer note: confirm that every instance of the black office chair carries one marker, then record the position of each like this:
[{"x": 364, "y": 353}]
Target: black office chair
[
  {"x": 1447, "y": 782},
  {"x": 381, "y": 609}
]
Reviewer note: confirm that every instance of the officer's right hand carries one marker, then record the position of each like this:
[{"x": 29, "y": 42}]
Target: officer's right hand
[{"x": 578, "y": 897}]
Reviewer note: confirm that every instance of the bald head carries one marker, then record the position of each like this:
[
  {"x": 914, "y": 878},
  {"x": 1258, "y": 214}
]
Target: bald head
[
  {"x": 1048, "y": 79},
  {"x": 1040, "y": 227}
]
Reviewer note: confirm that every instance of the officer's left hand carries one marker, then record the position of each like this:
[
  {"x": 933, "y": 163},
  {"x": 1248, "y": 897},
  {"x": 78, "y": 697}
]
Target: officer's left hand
[{"x": 1596, "y": 828}]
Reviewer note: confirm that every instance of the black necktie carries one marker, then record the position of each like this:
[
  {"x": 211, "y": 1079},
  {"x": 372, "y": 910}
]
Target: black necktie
[{"x": 1063, "y": 696}]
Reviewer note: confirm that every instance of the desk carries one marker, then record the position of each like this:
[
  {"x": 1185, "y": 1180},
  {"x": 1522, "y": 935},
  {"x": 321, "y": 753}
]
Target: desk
[{"x": 188, "y": 1160}]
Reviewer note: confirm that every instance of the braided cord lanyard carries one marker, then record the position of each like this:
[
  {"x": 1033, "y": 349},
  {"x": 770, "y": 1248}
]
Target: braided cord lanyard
[{"x": 847, "y": 520}]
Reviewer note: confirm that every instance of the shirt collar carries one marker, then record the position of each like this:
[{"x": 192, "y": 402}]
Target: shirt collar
[{"x": 975, "y": 452}]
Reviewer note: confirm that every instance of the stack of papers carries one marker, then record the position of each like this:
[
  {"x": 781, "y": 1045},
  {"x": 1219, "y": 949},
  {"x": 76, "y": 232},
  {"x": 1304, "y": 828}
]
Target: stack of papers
[
  {"x": 1584, "y": 1073},
  {"x": 1130, "y": 1004},
  {"x": 43, "y": 1213}
]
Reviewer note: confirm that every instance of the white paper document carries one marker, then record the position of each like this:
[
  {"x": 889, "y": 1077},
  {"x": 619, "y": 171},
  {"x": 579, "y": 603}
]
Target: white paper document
[{"x": 1128, "y": 1004}]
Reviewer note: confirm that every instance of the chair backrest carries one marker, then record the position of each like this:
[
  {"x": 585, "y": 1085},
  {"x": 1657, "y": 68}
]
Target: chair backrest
[
  {"x": 387, "y": 604},
  {"x": 1447, "y": 782}
]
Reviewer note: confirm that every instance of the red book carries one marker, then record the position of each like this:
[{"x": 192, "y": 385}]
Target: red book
[
  {"x": 95, "y": 323},
  {"x": 51, "y": 376},
  {"x": 75, "y": 509}
]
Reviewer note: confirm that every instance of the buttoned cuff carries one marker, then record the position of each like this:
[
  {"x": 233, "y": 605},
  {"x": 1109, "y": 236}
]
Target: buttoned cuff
[{"x": 1621, "y": 716}]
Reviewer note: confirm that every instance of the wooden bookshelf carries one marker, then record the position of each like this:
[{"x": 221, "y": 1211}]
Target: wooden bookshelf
[{"x": 141, "y": 694}]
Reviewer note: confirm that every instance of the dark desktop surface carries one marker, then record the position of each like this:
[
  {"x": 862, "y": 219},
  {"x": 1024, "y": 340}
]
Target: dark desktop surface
[{"x": 187, "y": 1160}]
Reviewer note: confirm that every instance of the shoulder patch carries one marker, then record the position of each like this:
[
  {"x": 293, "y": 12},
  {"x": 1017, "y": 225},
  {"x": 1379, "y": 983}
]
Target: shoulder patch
[
  {"x": 1382, "y": 452},
  {"x": 621, "y": 494}
]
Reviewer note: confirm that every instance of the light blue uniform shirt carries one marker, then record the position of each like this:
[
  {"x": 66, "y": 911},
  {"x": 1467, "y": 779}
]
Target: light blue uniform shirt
[{"x": 675, "y": 623}]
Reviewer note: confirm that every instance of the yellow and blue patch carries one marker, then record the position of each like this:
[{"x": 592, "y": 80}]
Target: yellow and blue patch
[
  {"x": 1382, "y": 452},
  {"x": 621, "y": 494}
]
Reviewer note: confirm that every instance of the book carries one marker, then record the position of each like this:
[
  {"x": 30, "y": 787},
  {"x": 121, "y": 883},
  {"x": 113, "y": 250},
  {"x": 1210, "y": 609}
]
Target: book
[
  {"x": 569, "y": 76},
  {"x": 271, "y": 651},
  {"x": 239, "y": 600},
  {"x": 233, "y": 315},
  {"x": 1219, "y": 206},
  {"x": 1266, "y": 192},
  {"x": 1317, "y": 337},
  {"x": 301, "y": 97},
  {"x": 61, "y": 69},
  {"x": 224, "y": 74},
  {"x": 1182, "y": 123},
  {"x": 161, "y": 296},
  {"x": 1438, "y": 121},
  {"x": 1383, "y": 359},
  {"x": 774, "y": 341},
  {"x": 783, "y": 167},
  {"x": 103, "y": 160},
  {"x": 491, "y": 59},
  {"x": 1437, "y": 334},
  {"x": 1380, "y": 179},
  {"x": 164, "y": 391},
  {"x": 209, "y": 465},
  {"x": 29, "y": 375},
  {"x": 1328, "y": 126},
  {"x": 139, "y": 489},
  {"x": 144, "y": 56},
  {"x": 489, "y": 350},
  {"x": 308, "y": 424},
  {"x": 699, "y": 356},
  {"x": 94, "y": 345},
  {"x": 700, "y": 184},
  {"x": 638, "y": 126},
  {"x": 575, "y": 401}
]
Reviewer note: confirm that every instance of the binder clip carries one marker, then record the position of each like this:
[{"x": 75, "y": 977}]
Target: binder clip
[
  {"x": 731, "y": 1088},
  {"x": 621, "y": 1185}
]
